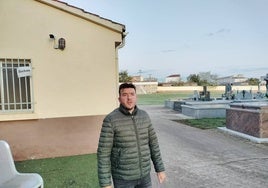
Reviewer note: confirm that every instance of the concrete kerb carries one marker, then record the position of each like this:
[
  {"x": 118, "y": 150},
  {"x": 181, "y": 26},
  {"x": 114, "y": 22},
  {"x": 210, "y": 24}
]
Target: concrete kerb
[{"x": 242, "y": 135}]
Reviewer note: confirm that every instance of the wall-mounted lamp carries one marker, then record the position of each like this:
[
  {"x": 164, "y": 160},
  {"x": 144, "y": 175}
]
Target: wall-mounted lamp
[
  {"x": 61, "y": 42},
  {"x": 51, "y": 36}
]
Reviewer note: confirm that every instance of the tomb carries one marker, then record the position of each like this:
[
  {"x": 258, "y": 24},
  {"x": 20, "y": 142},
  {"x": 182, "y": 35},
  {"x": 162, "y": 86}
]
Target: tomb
[{"x": 249, "y": 118}]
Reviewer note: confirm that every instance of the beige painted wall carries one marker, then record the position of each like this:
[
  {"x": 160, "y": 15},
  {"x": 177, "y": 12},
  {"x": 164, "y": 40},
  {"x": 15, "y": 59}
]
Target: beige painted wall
[
  {"x": 78, "y": 81},
  {"x": 72, "y": 89}
]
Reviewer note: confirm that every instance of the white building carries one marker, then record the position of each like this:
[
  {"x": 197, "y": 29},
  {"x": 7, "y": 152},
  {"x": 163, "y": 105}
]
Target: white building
[
  {"x": 173, "y": 78},
  {"x": 234, "y": 79}
]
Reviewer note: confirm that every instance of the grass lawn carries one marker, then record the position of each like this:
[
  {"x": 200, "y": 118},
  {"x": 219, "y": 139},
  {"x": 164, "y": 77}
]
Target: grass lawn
[
  {"x": 159, "y": 98},
  {"x": 81, "y": 171},
  {"x": 204, "y": 123},
  {"x": 64, "y": 172}
]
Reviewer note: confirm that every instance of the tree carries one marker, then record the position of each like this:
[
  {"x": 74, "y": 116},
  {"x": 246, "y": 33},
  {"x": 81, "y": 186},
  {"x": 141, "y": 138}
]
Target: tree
[
  {"x": 253, "y": 81},
  {"x": 203, "y": 83},
  {"x": 124, "y": 77},
  {"x": 193, "y": 78},
  {"x": 203, "y": 79},
  {"x": 207, "y": 79}
]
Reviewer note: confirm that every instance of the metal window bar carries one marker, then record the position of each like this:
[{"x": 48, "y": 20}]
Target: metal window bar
[
  {"x": 7, "y": 84},
  {"x": 26, "y": 102},
  {"x": 26, "y": 88},
  {"x": 13, "y": 86},
  {"x": 20, "y": 87},
  {"x": 1, "y": 85},
  {"x": 10, "y": 88}
]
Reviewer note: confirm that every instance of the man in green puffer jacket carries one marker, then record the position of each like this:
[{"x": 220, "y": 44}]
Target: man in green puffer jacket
[{"x": 127, "y": 145}]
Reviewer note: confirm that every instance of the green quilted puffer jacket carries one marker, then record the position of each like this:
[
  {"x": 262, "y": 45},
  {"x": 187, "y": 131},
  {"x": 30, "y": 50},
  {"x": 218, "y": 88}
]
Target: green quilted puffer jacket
[{"x": 127, "y": 144}]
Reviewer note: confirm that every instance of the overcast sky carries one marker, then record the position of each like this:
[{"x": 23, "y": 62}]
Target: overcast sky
[{"x": 224, "y": 37}]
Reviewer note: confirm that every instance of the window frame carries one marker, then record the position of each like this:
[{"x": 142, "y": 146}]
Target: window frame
[{"x": 16, "y": 96}]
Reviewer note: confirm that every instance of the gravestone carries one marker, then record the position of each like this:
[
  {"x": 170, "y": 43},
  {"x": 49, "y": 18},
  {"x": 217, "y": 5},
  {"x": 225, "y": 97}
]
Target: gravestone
[
  {"x": 196, "y": 95},
  {"x": 204, "y": 95},
  {"x": 266, "y": 79},
  {"x": 228, "y": 92},
  {"x": 244, "y": 95}
]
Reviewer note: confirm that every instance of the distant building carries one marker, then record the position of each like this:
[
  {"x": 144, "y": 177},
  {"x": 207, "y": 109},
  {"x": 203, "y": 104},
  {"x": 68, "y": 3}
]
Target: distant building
[
  {"x": 173, "y": 78},
  {"x": 238, "y": 79},
  {"x": 137, "y": 79}
]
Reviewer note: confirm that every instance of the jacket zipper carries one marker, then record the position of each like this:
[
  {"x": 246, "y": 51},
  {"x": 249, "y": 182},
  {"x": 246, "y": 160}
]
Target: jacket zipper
[{"x": 138, "y": 143}]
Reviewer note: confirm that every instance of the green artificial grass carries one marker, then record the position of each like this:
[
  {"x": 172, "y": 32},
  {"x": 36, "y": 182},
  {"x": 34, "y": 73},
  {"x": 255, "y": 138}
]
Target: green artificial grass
[
  {"x": 204, "y": 123},
  {"x": 64, "y": 172}
]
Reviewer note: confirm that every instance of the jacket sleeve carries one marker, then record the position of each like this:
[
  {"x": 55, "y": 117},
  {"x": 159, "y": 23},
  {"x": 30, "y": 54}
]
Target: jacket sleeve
[
  {"x": 155, "y": 150},
  {"x": 104, "y": 153}
]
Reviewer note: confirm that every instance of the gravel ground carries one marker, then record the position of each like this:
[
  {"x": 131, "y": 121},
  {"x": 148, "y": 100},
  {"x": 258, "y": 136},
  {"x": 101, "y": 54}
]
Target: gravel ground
[{"x": 206, "y": 158}]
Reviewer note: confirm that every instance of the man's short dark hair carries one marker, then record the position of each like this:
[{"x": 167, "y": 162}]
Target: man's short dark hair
[{"x": 126, "y": 85}]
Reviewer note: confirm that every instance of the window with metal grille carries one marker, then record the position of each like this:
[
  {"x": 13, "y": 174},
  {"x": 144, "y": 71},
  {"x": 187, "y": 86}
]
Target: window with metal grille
[{"x": 15, "y": 85}]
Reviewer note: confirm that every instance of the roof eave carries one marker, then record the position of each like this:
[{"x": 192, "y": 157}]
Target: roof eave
[{"x": 117, "y": 27}]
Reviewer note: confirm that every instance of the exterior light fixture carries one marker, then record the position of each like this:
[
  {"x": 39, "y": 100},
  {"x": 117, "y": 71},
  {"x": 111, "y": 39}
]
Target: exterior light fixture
[
  {"x": 51, "y": 36},
  {"x": 61, "y": 44}
]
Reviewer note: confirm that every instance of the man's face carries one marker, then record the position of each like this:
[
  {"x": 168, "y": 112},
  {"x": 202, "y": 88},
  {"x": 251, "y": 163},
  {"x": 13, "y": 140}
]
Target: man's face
[{"x": 128, "y": 98}]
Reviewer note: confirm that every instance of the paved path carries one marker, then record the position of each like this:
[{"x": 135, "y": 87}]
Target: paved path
[{"x": 197, "y": 158}]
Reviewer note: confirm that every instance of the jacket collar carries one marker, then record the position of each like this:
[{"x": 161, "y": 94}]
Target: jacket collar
[{"x": 126, "y": 112}]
